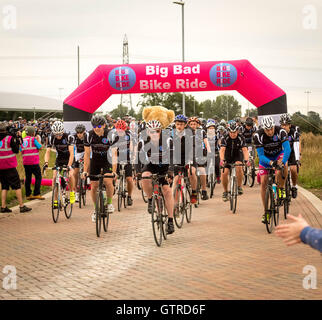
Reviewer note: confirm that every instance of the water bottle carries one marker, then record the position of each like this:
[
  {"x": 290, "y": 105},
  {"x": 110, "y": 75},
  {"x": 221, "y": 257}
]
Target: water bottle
[{"x": 274, "y": 189}]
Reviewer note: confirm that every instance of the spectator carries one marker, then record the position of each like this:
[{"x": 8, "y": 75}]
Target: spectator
[
  {"x": 30, "y": 157},
  {"x": 9, "y": 177},
  {"x": 299, "y": 231}
]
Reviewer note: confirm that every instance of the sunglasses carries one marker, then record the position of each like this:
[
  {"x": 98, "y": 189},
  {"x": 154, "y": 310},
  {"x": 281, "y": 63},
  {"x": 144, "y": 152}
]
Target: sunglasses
[
  {"x": 155, "y": 131},
  {"x": 99, "y": 126}
]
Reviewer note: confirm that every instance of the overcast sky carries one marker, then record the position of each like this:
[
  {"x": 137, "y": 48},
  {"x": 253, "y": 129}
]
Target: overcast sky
[{"x": 283, "y": 39}]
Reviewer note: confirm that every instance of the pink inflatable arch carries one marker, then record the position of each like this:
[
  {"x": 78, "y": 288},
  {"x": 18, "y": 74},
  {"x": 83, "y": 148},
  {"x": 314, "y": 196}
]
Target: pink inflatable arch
[{"x": 239, "y": 75}]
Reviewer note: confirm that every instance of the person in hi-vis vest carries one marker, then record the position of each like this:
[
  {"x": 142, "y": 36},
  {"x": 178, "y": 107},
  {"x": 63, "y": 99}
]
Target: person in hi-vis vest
[
  {"x": 30, "y": 157},
  {"x": 9, "y": 177}
]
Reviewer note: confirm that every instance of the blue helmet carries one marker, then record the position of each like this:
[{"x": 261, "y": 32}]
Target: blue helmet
[{"x": 181, "y": 117}]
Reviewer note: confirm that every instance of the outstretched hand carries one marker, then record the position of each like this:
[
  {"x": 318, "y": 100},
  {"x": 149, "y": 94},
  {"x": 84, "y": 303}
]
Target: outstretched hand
[{"x": 290, "y": 232}]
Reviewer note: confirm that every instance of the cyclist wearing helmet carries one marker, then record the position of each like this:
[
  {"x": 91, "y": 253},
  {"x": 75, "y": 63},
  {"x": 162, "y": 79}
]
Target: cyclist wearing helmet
[
  {"x": 200, "y": 147},
  {"x": 98, "y": 143},
  {"x": 294, "y": 139},
  {"x": 213, "y": 156},
  {"x": 247, "y": 130},
  {"x": 273, "y": 149},
  {"x": 77, "y": 140},
  {"x": 156, "y": 153},
  {"x": 232, "y": 150},
  {"x": 181, "y": 155},
  {"x": 60, "y": 141},
  {"x": 123, "y": 142}
]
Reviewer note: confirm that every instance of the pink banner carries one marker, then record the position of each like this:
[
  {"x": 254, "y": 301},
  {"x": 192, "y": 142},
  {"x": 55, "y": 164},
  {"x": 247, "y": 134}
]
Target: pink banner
[{"x": 239, "y": 75}]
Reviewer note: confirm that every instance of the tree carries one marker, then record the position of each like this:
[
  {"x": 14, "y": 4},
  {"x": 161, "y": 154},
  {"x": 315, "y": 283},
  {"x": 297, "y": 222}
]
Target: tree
[
  {"x": 251, "y": 112},
  {"x": 224, "y": 107},
  {"x": 310, "y": 123},
  {"x": 121, "y": 111},
  {"x": 172, "y": 101}
]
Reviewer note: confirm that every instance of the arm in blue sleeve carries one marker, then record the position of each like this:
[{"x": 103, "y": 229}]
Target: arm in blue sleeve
[
  {"x": 37, "y": 144},
  {"x": 287, "y": 151},
  {"x": 262, "y": 157},
  {"x": 312, "y": 237}
]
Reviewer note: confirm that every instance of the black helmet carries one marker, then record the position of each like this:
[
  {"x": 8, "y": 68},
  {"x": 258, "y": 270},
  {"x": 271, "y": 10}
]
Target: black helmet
[
  {"x": 98, "y": 120},
  {"x": 233, "y": 127},
  {"x": 249, "y": 121},
  {"x": 237, "y": 119},
  {"x": 285, "y": 119},
  {"x": 80, "y": 128}
]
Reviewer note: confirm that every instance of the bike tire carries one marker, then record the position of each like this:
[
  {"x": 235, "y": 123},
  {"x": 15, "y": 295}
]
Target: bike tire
[
  {"x": 156, "y": 219},
  {"x": 144, "y": 196},
  {"x": 164, "y": 220},
  {"x": 245, "y": 176},
  {"x": 179, "y": 211},
  {"x": 84, "y": 192},
  {"x": 80, "y": 191},
  {"x": 251, "y": 176},
  {"x": 98, "y": 211},
  {"x": 188, "y": 205},
  {"x": 68, "y": 207},
  {"x": 55, "y": 211},
  {"x": 269, "y": 209},
  {"x": 105, "y": 216},
  {"x": 119, "y": 195},
  {"x": 235, "y": 195},
  {"x": 212, "y": 185},
  {"x": 287, "y": 200}
]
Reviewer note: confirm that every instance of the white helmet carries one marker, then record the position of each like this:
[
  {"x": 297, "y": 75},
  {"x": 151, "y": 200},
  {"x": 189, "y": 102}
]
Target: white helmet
[
  {"x": 153, "y": 124},
  {"x": 57, "y": 127},
  {"x": 267, "y": 122}
]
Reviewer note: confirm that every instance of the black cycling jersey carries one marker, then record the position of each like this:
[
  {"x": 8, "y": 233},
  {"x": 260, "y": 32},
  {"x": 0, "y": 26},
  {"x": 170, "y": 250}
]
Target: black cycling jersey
[
  {"x": 61, "y": 146},
  {"x": 233, "y": 147},
  {"x": 78, "y": 143},
  {"x": 100, "y": 146},
  {"x": 160, "y": 153},
  {"x": 247, "y": 133},
  {"x": 294, "y": 135},
  {"x": 122, "y": 143},
  {"x": 272, "y": 145}
]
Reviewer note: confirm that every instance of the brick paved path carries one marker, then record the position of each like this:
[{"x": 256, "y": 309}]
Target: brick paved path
[{"x": 218, "y": 256}]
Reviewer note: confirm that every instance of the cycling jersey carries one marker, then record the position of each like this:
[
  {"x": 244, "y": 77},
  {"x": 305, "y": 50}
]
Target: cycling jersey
[
  {"x": 247, "y": 133},
  {"x": 233, "y": 147},
  {"x": 269, "y": 148},
  {"x": 122, "y": 143},
  {"x": 79, "y": 146},
  {"x": 294, "y": 140},
  {"x": 61, "y": 146},
  {"x": 100, "y": 147}
]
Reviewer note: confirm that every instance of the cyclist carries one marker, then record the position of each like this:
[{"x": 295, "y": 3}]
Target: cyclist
[
  {"x": 181, "y": 153},
  {"x": 60, "y": 141},
  {"x": 294, "y": 139},
  {"x": 77, "y": 140},
  {"x": 213, "y": 156},
  {"x": 199, "y": 155},
  {"x": 98, "y": 143},
  {"x": 122, "y": 141},
  {"x": 232, "y": 150},
  {"x": 247, "y": 130},
  {"x": 157, "y": 157},
  {"x": 273, "y": 149}
]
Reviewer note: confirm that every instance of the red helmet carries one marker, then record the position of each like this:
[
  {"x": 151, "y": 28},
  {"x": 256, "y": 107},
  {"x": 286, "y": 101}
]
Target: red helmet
[{"x": 121, "y": 125}]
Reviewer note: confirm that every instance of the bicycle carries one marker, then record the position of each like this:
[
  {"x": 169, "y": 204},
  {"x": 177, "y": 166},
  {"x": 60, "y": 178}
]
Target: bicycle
[
  {"x": 159, "y": 216},
  {"x": 271, "y": 201},
  {"x": 82, "y": 184},
  {"x": 139, "y": 186},
  {"x": 199, "y": 192},
  {"x": 121, "y": 188},
  {"x": 233, "y": 185},
  {"x": 63, "y": 195},
  {"x": 211, "y": 180},
  {"x": 182, "y": 197},
  {"x": 101, "y": 212}
]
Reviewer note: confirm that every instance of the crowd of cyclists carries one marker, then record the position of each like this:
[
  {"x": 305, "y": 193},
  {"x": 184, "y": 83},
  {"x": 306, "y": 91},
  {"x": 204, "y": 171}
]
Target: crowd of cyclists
[{"x": 198, "y": 145}]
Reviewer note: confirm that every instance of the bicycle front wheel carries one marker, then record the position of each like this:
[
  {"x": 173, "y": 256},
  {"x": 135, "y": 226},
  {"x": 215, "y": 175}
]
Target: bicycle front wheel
[
  {"x": 156, "y": 216},
  {"x": 68, "y": 207},
  {"x": 55, "y": 210},
  {"x": 99, "y": 210},
  {"x": 188, "y": 205},
  {"x": 179, "y": 209},
  {"x": 269, "y": 209},
  {"x": 234, "y": 195},
  {"x": 251, "y": 175},
  {"x": 120, "y": 195}
]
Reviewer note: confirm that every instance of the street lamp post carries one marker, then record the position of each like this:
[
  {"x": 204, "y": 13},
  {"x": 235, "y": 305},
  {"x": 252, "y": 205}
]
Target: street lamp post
[
  {"x": 181, "y": 3},
  {"x": 307, "y": 98}
]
